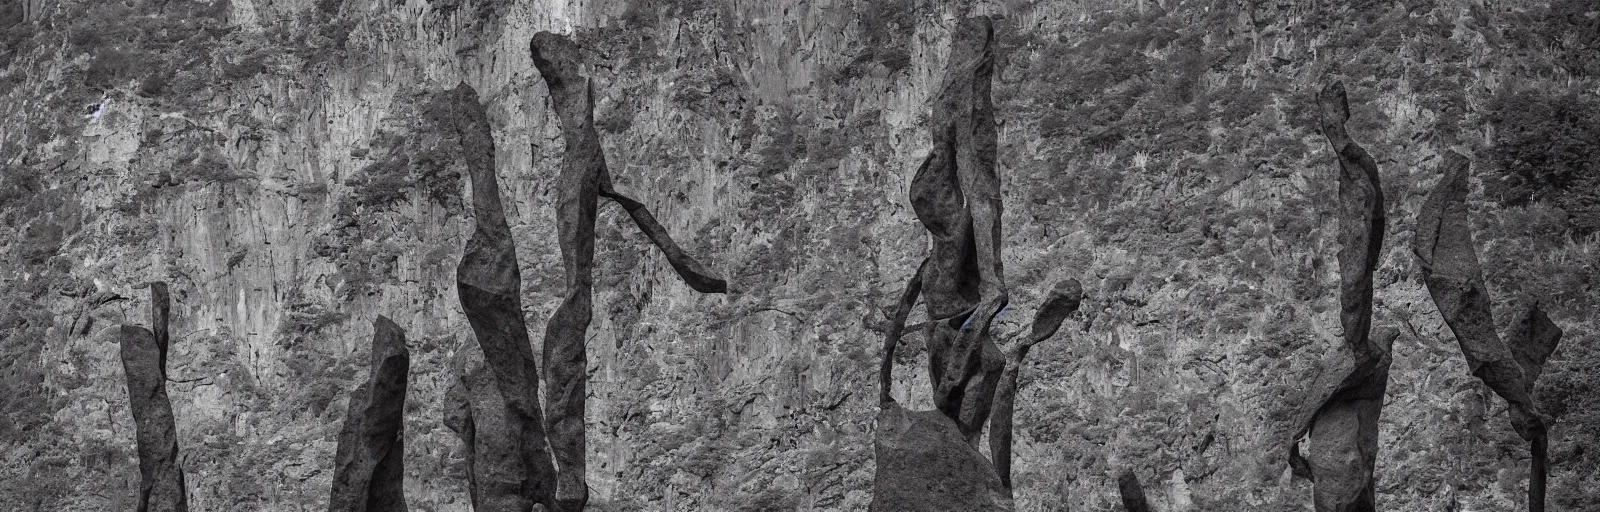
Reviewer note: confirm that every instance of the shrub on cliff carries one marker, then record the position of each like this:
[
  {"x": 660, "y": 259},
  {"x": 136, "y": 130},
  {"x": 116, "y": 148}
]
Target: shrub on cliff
[{"x": 1547, "y": 148}]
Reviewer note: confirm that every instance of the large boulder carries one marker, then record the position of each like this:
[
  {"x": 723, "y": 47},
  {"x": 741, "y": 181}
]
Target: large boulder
[{"x": 925, "y": 463}]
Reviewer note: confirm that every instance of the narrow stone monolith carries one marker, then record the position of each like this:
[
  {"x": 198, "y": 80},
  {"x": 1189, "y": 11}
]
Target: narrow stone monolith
[
  {"x": 1343, "y": 427},
  {"x": 583, "y": 180},
  {"x": 1064, "y": 299},
  {"x": 956, "y": 196},
  {"x": 369, "y": 470},
  {"x": 144, "y": 361},
  {"x": 1133, "y": 499},
  {"x": 1450, "y": 269},
  {"x": 490, "y": 287}
]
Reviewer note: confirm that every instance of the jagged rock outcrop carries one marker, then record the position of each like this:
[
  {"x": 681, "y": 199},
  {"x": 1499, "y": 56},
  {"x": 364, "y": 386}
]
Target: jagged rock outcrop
[
  {"x": 1132, "y": 492},
  {"x": 1343, "y": 428},
  {"x": 584, "y": 178},
  {"x": 1064, "y": 299},
  {"x": 144, "y": 359},
  {"x": 490, "y": 287},
  {"x": 1450, "y": 269},
  {"x": 369, "y": 469},
  {"x": 956, "y": 196},
  {"x": 926, "y": 464}
]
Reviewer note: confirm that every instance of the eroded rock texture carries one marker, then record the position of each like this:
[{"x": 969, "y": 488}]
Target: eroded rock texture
[
  {"x": 478, "y": 415},
  {"x": 1450, "y": 268},
  {"x": 956, "y": 196},
  {"x": 1344, "y": 427},
  {"x": 926, "y": 464},
  {"x": 584, "y": 178},
  {"x": 144, "y": 359},
  {"x": 489, "y": 284},
  {"x": 1064, "y": 299},
  {"x": 1133, "y": 499},
  {"x": 369, "y": 469}
]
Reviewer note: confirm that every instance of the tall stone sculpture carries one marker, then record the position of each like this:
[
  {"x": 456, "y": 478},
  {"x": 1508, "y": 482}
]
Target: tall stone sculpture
[
  {"x": 490, "y": 287},
  {"x": 1063, "y": 300},
  {"x": 369, "y": 470},
  {"x": 1344, "y": 428},
  {"x": 144, "y": 361},
  {"x": 584, "y": 179},
  {"x": 927, "y": 460},
  {"x": 956, "y": 196},
  {"x": 1450, "y": 269}
]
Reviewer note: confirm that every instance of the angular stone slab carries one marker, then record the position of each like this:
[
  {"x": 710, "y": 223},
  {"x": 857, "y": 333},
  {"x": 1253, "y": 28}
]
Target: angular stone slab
[
  {"x": 1343, "y": 426},
  {"x": 926, "y": 464},
  {"x": 369, "y": 471},
  {"x": 489, "y": 284},
  {"x": 1450, "y": 269},
  {"x": 144, "y": 361}
]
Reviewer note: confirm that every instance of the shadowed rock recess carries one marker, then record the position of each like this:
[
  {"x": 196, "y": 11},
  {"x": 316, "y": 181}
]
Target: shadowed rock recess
[
  {"x": 584, "y": 178},
  {"x": 1133, "y": 499},
  {"x": 369, "y": 469},
  {"x": 1343, "y": 429},
  {"x": 1449, "y": 263},
  {"x": 144, "y": 359},
  {"x": 490, "y": 287}
]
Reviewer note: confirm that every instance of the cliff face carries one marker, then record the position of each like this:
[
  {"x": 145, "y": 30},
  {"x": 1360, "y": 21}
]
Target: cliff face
[{"x": 282, "y": 165}]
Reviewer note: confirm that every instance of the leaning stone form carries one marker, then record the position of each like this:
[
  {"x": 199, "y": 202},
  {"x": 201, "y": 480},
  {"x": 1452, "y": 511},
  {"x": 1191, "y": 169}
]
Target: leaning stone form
[
  {"x": 490, "y": 286},
  {"x": 144, "y": 360},
  {"x": 1344, "y": 427},
  {"x": 1454, "y": 278},
  {"x": 369, "y": 470},
  {"x": 584, "y": 179}
]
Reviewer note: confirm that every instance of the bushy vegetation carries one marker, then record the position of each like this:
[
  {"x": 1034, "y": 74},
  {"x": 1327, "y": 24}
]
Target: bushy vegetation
[{"x": 1547, "y": 148}]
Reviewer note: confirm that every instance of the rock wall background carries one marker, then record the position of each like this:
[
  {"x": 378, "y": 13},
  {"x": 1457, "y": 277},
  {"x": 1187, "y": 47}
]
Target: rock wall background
[{"x": 277, "y": 163}]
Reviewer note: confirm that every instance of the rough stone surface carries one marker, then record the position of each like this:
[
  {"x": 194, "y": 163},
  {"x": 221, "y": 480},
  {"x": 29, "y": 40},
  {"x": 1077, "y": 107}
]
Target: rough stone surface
[
  {"x": 258, "y": 174},
  {"x": 477, "y": 414},
  {"x": 1450, "y": 268},
  {"x": 490, "y": 285},
  {"x": 583, "y": 179},
  {"x": 369, "y": 464},
  {"x": 1133, "y": 499},
  {"x": 144, "y": 360},
  {"x": 926, "y": 464},
  {"x": 1343, "y": 428},
  {"x": 956, "y": 196}
]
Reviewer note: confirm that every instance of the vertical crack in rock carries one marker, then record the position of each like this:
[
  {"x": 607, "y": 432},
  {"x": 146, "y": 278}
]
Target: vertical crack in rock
[
  {"x": 956, "y": 196},
  {"x": 1132, "y": 493},
  {"x": 1064, "y": 299},
  {"x": 490, "y": 287},
  {"x": 369, "y": 471},
  {"x": 144, "y": 360},
  {"x": 1450, "y": 269},
  {"x": 1344, "y": 428},
  {"x": 584, "y": 178}
]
